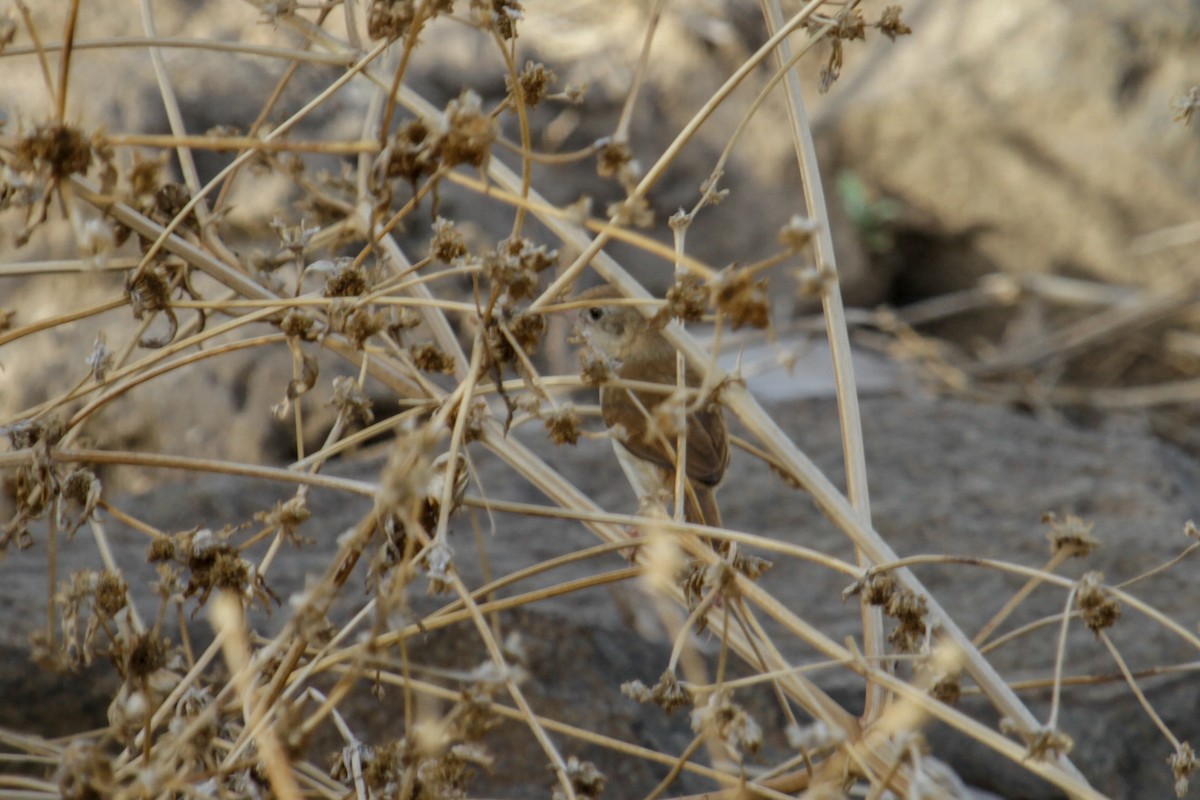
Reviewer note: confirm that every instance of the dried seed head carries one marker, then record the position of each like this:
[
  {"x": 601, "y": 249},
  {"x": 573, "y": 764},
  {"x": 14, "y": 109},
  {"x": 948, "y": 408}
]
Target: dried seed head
[
  {"x": 429, "y": 358},
  {"x": 351, "y": 401},
  {"x": 1100, "y": 608},
  {"x": 728, "y": 721},
  {"x": 466, "y": 132},
  {"x": 586, "y": 781},
  {"x": 112, "y": 593},
  {"x": 890, "y": 24},
  {"x": 534, "y": 80},
  {"x": 61, "y": 150},
  {"x": 667, "y": 694},
  {"x": 448, "y": 243},
  {"x": 909, "y": 610},
  {"x": 687, "y": 301},
  {"x": 1183, "y": 764},
  {"x": 1071, "y": 534},
  {"x": 563, "y": 425},
  {"x": 739, "y": 296}
]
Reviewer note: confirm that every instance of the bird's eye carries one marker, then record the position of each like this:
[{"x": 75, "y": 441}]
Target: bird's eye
[{"x": 595, "y": 313}]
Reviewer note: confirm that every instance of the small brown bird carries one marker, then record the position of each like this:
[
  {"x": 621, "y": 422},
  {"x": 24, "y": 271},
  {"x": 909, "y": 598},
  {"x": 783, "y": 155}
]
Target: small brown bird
[{"x": 636, "y": 351}]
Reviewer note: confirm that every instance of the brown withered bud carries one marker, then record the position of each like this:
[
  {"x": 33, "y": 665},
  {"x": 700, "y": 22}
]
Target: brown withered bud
[
  {"x": 534, "y": 80},
  {"x": 563, "y": 425},
  {"x": 687, "y": 301},
  {"x": 743, "y": 299},
  {"x": 61, "y": 149},
  {"x": 429, "y": 358}
]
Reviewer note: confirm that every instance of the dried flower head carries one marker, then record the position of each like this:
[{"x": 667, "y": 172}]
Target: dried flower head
[
  {"x": 1100, "y": 608},
  {"x": 516, "y": 264},
  {"x": 667, "y": 694},
  {"x": 741, "y": 298},
  {"x": 687, "y": 300},
  {"x": 448, "y": 244},
  {"x": 1071, "y": 534},
  {"x": 60, "y": 150},
  {"x": 890, "y": 24},
  {"x": 1183, "y": 764},
  {"x": 909, "y": 610},
  {"x": 466, "y": 132},
  {"x": 533, "y": 81},
  {"x": 429, "y": 358},
  {"x": 728, "y": 722},
  {"x": 587, "y": 782},
  {"x": 563, "y": 425},
  {"x": 351, "y": 401}
]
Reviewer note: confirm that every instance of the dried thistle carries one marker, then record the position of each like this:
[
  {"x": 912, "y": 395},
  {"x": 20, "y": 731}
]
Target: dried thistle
[
  {"x": 85, "y": 772},
  {"x": 357, "y": 323}
]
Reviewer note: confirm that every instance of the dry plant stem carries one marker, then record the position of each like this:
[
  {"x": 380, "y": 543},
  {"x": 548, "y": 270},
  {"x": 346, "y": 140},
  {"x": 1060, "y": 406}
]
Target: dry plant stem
[
  {"x": 1146, "y": 308},
  {"x": 21, "y": 269},
  {"x": 169, "y": 42},
  {"x": 518, "y": 97},
  {"x": 64, "y": 64},
  {"x": 140, "y": 377},
  {"x": 1094, "y": 680},
  {"x": 228, "y": 617},
  {"x": 581, "y": 734},
  {"x": 219, "y": 144},
  {"x": 41, "y": 51},
  {"x": 1048, "y": 577},
  {"x": 1191, "y": 548},
  {"x": 621, "y": 134},
  {"x": 61, "y": 320},
  {"x": 187, "y": 164},
  {"x": 1060, "y": 654},
  {"x": 240, "y": 283},
  {"x": 839, "y": 338},
  {"x": 160, "y": 461},
  {"x": 997, "y": 620},
  {"x": 592, "y": 249},
  {"x": 198, "y": 197},
  {"x": 1137, "y": 691},
  {"x": 676, "y": 768},
  {"x": 543, "y": 209}
]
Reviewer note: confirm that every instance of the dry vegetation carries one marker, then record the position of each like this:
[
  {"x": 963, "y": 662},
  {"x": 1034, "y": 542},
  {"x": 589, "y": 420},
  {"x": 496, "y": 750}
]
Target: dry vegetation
[{"x": 454, "y": 331}]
